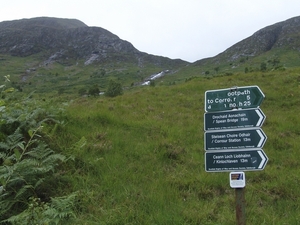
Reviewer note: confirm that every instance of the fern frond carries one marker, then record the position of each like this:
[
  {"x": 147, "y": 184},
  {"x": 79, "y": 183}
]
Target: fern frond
[
  {"x": 2, "y": 108},
  {"x": 80, "y": 144},
  {"x": 24, "y": 192},
  {"x": 62, "y": 207},
  {"x": 41, "y": 151},
  {"x": 6, "y": 172},
  {"x": 57, "y": 212},
  {"x": 4, "y": 146},
  {"x": 39, "y": 182},
  {"x": 2, "y": 155},
  {"x": 5, "y": 206},
  {"x": 14, "y": 140},
  {"x": 25, "y": 166},
  {"x": 54, "y": 159}
]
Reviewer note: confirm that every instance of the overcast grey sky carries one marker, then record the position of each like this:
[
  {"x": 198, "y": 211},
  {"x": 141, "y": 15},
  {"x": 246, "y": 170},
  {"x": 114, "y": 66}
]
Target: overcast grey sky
[{"x": 185, "y": 29}]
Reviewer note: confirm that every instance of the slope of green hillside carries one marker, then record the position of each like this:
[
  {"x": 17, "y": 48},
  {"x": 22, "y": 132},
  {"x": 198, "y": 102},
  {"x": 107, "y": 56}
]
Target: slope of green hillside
[
  {"x": 29, "y": 74},
  {"x": 143, "y": 158}
]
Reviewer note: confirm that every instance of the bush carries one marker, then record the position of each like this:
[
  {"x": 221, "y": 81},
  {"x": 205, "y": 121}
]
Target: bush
[
  {"x": 263, "y": 67},
  {"x": 94, "y": 91},
  {"x": 114, "y": 89}
]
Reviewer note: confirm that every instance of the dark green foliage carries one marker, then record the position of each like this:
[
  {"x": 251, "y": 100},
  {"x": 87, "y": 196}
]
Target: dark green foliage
[
  {"x": 103, "y": 72},
  {"x": 275, "y": 62},
  {"x": 82, "y": 91},
  {"x": 152, "y": 83},
  {"x": 217, "y": 69},
  {"x": 61, "y": 90},
  {"x": 25, "y": 167},
  {"x": 58, "y": 211},
  {"x": 94, "y": 90},
  {"x": 114, "y": 89},
  {"x": 263, "y": 66},
  {"x": 27, "y": 164}
]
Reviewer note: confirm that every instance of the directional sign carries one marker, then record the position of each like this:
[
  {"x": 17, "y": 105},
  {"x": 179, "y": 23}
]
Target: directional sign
[
  {"x": 233, "y": 98},
  {"x": 234, "y": 139},
  {"x": 243, "y": 160},
  {"x": 234, "y": 119}
]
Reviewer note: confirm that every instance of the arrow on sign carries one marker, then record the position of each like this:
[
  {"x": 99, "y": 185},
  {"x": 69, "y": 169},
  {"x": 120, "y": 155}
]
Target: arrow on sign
[
  {"x": 233, "y": 98},
  {"x": 262, "y": 139},
  {"x": 263, "y": 159},
  {"x": 242, "y": 160},
  {"x": 234, "y": 119},
  {"x": 261, "y": 117},
  {"x": 234, "y": 139}
]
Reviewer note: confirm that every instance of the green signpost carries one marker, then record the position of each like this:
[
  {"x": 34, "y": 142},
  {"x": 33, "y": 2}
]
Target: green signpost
[
  {"x": 233, "y": 98},
  {"x": 233, "y": 139},
  {"x": 242, "y": 160},
  {"x": 234, "y": 119}
]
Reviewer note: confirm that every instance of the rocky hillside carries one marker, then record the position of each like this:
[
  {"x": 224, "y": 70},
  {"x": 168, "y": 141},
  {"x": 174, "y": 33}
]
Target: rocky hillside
[
  {"x": 49, "y": 54},
  {"x": 278, "y": 37},
  {"x": 64, "y": 40}
]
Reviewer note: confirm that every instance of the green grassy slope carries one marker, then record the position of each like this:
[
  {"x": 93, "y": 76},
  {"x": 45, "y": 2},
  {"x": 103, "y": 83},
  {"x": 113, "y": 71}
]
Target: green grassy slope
[
  {"x": 143, "y": 162},
  {"x": 32, "y": 74}
]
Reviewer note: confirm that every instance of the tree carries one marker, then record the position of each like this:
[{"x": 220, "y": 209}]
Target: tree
[
  {"x": 152, "y": 83},
  {"x": 263, "y": 67},
  {"x": 82, "y": 91},
  {"x": 94, "y": 90},
  {"x": 114, "y": 89},
  {"x": 103, "y": 72},
  {"x": 275, "y": 62},
  {"x": 217, "y": 69}
]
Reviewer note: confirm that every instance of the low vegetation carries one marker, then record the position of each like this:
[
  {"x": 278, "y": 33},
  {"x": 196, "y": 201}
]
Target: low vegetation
[
  {"x": 138, "y": 158},
  {"x": 83, "y": 142},
  {"x": 29, "y": 168}
]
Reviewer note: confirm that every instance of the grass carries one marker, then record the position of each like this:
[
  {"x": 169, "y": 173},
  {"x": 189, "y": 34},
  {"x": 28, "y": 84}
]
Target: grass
[
  {"x": 143, "y": 162},
  {"x": 143, "y": 158},
  {"x": 32, "y": 73}
]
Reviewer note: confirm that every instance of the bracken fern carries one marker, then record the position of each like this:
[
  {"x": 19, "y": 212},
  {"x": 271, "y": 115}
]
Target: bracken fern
[{"x": 26, "y": 163}]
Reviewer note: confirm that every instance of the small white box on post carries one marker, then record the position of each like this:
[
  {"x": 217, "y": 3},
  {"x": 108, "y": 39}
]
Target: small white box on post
[{"x": 237, "y": 179}]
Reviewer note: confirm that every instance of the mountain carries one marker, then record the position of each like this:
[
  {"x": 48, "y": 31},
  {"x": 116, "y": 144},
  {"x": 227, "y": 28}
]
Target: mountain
[
  {"x": 58, "y": 55},
  {"x": 64, "y": 40},
  {"x": 273, "y": 41}
]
